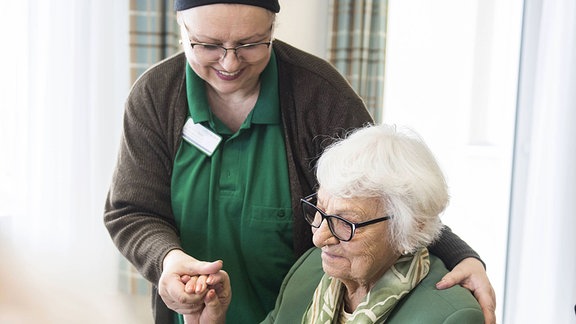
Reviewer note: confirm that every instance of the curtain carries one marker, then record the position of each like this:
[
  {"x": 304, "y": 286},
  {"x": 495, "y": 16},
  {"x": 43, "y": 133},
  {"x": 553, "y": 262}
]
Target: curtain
[
  {"x": 63, "y": 81},
  {"x": 357, "y": 47},
  {"x": 541, "y": 270},
  {"x": 61, "y": 117},
  {"x": 154, "y": 35},
  {"x": 63, "y": 89}
]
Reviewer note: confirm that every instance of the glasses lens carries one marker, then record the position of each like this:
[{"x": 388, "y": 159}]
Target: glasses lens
[
  {"x": 341, "y": 229},
  {"x": 252, "y": 52},
  {"x": 311, "y": 214},
  {"x": 208, "y": 53}
]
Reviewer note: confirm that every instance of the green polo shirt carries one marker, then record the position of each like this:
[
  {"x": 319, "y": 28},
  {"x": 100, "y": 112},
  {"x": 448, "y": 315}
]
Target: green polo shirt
[{"x": 235, "y": 205}]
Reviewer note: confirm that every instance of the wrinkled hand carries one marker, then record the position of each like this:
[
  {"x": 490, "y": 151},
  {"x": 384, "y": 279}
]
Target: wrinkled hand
[
  {"x": 171, "y": 287},
  {"x": 470, "y": 274},
  {"x": 217, "y": 294}
]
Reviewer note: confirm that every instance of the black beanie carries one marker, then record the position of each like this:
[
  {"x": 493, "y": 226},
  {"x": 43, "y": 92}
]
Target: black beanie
[{"x": 271, "y": 5}]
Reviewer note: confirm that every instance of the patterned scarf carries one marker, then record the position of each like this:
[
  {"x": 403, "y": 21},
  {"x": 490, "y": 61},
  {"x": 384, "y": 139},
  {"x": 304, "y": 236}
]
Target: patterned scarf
[{"x": 397, "y": 282}]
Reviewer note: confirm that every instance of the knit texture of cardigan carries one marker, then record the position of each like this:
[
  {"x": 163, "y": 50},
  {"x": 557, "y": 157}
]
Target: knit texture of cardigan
[{"x": 316, "y": 104}]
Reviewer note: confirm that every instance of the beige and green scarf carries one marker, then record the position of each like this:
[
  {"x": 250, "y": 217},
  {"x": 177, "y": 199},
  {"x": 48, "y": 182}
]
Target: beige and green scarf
[{"x": 397, "y": 282}]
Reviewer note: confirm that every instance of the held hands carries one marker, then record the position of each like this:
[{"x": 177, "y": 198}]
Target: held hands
[
  {"x": 177, "y": 274},
  {"x": 216, "y": 295},
  {"x": 470, "y": 274}
]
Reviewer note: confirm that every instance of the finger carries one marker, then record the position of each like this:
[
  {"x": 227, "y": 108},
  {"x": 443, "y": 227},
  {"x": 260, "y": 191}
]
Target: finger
[
  {"x": 489, "y": 316},
  {"x": 450, "y": 279},
  {"x": 487, "y": 301},
  {"x": 201, "y": 284},
  {"x": 211, "y": 298},
  {"x": 203, "y": 267},
  {"x": 191, "y": 285},
  {"x": 185, "y": 278},
  {"x": 216, "y": 278}
]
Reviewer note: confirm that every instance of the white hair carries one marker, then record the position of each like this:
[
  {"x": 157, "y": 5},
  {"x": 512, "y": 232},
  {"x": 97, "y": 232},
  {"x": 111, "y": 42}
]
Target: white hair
[{"x": 395, "y": 165}]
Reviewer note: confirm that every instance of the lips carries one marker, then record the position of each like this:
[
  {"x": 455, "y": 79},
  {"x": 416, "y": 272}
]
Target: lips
[
  {"x": 329, "y": 255},
  {"x": 228, "y": 76}
]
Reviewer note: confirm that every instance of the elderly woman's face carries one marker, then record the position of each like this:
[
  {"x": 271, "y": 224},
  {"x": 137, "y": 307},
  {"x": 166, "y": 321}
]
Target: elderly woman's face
[
  {"x": 227, "y": 25},
  {"x": 366, "y": 257}
]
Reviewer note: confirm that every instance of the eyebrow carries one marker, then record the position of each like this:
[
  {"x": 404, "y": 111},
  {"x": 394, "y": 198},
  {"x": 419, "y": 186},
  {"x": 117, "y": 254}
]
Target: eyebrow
[{"x": 346, "y": 213}]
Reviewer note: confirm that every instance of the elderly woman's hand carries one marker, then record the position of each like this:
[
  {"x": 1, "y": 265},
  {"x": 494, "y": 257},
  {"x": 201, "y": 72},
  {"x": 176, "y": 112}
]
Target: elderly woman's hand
[
  {"x": 470, "y": 274},
  {"x": 216, "y": 295}
]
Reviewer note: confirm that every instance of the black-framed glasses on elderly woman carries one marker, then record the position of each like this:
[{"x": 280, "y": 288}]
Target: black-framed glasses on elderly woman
[{"x": 341, "y": 228}]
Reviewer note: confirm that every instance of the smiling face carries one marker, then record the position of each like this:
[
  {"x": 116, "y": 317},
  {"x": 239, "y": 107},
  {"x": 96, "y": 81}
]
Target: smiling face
[
  {"x": 365, "y": 258},
  {"x": 228, "y": 25}
]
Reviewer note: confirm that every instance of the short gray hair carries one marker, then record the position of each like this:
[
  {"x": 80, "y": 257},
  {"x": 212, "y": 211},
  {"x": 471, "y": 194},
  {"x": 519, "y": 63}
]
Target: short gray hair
[{"x": 395, "y": 165}]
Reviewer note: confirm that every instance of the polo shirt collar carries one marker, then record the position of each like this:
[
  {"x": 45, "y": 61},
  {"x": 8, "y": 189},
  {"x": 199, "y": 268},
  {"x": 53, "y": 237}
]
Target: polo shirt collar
[{"x": 266, "y": 110}]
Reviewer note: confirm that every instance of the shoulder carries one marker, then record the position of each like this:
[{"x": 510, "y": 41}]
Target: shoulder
[
  {"x": 304, "y": 275},
  {"x": 426, "y": 304},
  {"x": 289, "y": 54},
  {"x": 315, "y": 99},
  {"x": 165, "y": 76},
  {"x": 161, "y": 86},
  {"x": 302, "y": 68},
  {"x": 297, "y": 289},
  {"x": 157, "y": 99}
]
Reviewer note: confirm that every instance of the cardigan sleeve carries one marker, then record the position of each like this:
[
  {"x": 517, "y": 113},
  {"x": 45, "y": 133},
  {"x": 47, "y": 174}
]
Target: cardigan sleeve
[
  {"x": 138, "y": 212},
  {"x": 451, "y": 249}
]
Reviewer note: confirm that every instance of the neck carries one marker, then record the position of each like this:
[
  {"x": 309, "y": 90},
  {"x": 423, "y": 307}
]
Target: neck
[
  {"x": 232, "y": 109},
  {"x": 356, "y": 290},
  {"x": 353, "y": 298}
]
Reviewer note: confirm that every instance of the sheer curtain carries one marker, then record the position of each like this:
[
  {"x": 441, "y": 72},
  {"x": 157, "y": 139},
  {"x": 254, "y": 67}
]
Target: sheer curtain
[
  {"x": 77, "y": 81},
  {"x": 66, "y": 79},
  {"x": 541, "y": 273}
]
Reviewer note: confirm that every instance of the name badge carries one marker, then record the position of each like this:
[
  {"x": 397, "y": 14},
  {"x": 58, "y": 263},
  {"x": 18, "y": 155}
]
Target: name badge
[{"x": 201, "y": 137}]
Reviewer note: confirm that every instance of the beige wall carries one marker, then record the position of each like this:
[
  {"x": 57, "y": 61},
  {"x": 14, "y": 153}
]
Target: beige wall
[{"x": 304, "y": 24}]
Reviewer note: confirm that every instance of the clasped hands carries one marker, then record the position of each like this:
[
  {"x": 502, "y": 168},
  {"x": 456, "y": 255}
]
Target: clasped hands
[{"x": 198, "y": 290}]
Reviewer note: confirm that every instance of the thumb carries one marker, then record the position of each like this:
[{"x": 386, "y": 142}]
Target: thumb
[
  {"x": 450, "y": 279},
  {"x": 203, "y": 267}
]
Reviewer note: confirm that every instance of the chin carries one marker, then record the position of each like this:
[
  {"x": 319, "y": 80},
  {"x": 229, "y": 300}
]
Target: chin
[{"x": 333, "y": 270}]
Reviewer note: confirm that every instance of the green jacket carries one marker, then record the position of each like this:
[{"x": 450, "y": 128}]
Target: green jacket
[{"x": 424, "y": 304}]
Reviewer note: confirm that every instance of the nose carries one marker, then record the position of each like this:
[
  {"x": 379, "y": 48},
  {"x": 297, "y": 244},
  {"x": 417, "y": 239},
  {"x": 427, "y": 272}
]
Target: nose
[
  {"x": 226, "y": 50},
  {"x": 322, "y": 235},
  {"x": 230, "y": 61}
]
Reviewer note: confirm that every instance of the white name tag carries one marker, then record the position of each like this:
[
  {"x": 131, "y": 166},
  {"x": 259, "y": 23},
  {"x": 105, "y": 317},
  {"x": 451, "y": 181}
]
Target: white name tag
[{"x": 201, "y": 137}]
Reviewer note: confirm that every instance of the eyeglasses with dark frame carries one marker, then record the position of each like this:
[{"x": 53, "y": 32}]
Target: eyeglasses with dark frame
[
  {"x": 248, "y": 53},
  {"x": 341, "y": 228},
  {"x": 252, "y": 52}
]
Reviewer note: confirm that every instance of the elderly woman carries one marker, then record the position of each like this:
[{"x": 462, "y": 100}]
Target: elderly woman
[
  {"x": 215, "y": 155},
  {"x": 381, "y": 193},
  {"x": 377, "y": 208}
]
